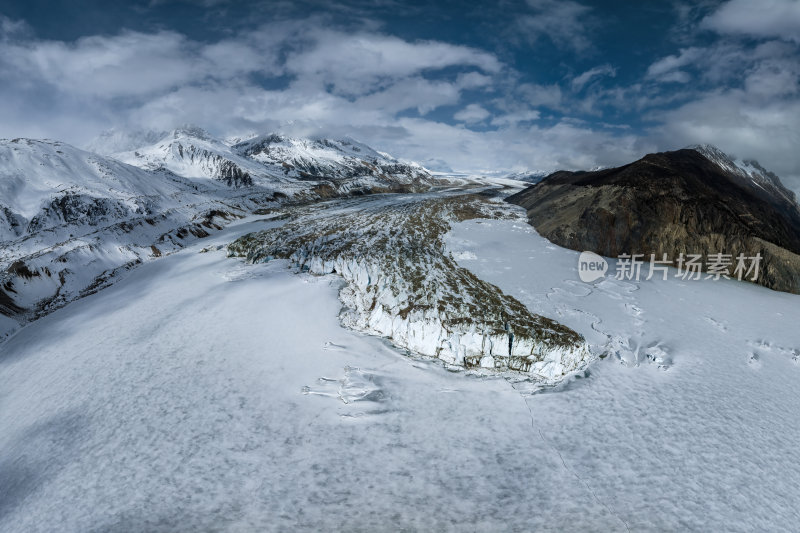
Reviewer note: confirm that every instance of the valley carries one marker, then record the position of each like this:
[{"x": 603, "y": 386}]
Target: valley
[
  {"x": 196, "y": 353},
  {"x": 202, "y": 391}
]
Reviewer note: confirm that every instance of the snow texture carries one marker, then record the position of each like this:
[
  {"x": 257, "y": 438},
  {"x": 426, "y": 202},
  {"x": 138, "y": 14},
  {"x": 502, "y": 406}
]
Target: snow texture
[{"x": 202, "y": 393}]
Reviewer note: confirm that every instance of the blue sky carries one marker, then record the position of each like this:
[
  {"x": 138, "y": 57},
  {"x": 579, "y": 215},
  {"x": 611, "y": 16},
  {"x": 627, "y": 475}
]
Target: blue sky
[{"x": 510, "y": 85}]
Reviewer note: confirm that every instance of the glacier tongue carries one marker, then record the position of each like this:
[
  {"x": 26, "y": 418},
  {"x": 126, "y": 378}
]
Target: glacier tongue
[{"x": 401, "y": 284}]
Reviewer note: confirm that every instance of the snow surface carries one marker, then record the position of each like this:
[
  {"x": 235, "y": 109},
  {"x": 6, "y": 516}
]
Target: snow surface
[
  {"x": 697, "y": 429},
  {"x": 200, "y": 393}
]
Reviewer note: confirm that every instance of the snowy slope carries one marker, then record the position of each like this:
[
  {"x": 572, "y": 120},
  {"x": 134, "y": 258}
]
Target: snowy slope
[
  {"x": 202, "y": 393},
  {"x": 34, "y": 174},
  {"x": 690, "y": 422},
  {"x": 71, "y": 221}
]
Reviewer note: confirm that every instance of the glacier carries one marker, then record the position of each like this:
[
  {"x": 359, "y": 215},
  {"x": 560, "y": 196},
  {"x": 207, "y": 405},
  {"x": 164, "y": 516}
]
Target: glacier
[
  {"x": 201, "y": 392},
  {"x": 403, "y": 286}
]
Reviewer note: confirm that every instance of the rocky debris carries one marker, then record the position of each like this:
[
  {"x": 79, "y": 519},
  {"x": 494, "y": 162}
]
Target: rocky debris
[
  {"x": 686, "y": 201},
  {"x": 401, "y": 284}
]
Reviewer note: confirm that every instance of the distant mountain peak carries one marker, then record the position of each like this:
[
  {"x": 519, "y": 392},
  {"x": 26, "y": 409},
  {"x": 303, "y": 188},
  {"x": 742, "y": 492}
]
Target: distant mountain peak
[
  {"x": 265, "y": 160},
  {"x": 708, "y": 149},
  {"x": 191, "y": 130},
  {"x": 749, "y": 170}
]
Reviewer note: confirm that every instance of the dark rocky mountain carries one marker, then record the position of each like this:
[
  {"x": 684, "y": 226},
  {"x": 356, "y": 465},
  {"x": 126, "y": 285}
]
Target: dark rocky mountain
[{"x": 690, "y": 201}]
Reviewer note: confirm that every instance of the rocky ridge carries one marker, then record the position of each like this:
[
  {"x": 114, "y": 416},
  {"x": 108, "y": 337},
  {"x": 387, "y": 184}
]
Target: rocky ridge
[{"x": 690, "y": 201}]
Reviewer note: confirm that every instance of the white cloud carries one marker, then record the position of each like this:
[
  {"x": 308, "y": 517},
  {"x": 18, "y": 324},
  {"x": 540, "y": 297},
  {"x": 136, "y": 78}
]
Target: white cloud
[
  {"x": 540, "y": 95},
  {"x": 327, "y": 82},
  {"x": 774, "y": 78},
  {"x": 124, "y": 65},
  {"x": 471, "y": 114},
  {"x": 744, "y": 98},
  {"x": 474, "y": 80},
  {"x": 360, "y": 63},
  {"x": 741, "y": 123},
  {"x": 412, "y": 93},
  {"x": 562, "y": 21},
  {"x": 562, "y": 146},
  {"x": 761, "y": 18},
  {"x": 157, "y": 80},
  {"x": 321, "y": 80},
  {"x": 669, "y": 66},
  {"x": 11, "y": 28},
  {"x": 581, "y": 80},
  {"x": 675, "y": 76},
  {"x": 512, "y": 119}
]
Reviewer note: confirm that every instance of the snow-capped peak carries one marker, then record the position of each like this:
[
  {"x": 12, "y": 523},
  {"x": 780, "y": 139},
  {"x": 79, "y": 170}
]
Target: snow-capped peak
[
  {"x": 749, "y": 170},
  {"x": 192, "y": 152},
  {"x": 190, "y": 130},
  {"x": 33, "y": 172}
]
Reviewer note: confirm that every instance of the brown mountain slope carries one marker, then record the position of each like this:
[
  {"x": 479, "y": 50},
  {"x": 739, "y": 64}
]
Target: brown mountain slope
[{"x": 672, "y": 202}]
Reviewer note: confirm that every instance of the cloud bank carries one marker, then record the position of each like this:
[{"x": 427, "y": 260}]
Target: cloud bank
[{"x": 731, "y": 79}]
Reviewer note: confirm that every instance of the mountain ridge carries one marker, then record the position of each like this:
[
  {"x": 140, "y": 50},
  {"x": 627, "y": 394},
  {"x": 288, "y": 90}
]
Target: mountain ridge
[
  {"x": 684, "y": 201},
  {"x": 73, "y": 221}
]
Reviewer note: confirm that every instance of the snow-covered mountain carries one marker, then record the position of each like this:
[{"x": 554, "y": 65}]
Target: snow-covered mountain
[
  {"x": 72, "y": 220},
  {"x": 529, "y": 176},
  {"x": 346, "y": 165},
  {"x": 192, "y": 152},
  {"x": 329, "y": 159},
  {"x": 47, "y": 184}
]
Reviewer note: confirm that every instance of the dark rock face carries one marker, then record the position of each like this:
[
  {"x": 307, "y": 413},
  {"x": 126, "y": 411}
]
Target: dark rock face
[
  {"x": 671, "y": 203},
  {"x": 11, "y": 224},
  {"x": 233, "y": 176},
  {"x": 77, "y": 209}
]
